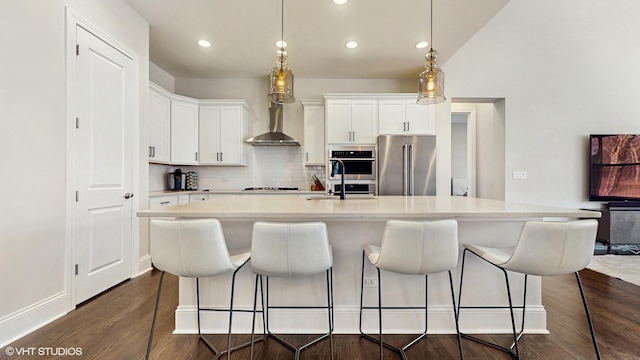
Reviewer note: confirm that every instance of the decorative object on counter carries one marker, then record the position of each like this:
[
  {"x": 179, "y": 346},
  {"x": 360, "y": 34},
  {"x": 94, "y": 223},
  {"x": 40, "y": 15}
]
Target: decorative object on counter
[
  {"x": 281, "y": 77},
  {"x": 431, "y": 85},
  {"x": 192, "y": 180},
  {"x": 177, "y": 180}
]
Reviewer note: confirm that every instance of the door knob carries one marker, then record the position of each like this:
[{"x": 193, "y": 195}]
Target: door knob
[{"x": 127, "y": 196}]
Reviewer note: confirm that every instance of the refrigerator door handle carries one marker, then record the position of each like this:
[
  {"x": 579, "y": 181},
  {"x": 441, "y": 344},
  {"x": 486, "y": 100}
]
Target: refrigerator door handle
[
  {"x": 405, "y": 176},
  {"x": 411, "y": 174}
]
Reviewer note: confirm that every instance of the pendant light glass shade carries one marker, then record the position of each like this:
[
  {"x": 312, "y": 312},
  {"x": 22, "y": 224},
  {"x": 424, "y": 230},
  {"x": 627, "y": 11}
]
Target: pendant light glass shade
[
  {"x": 281, "y": 77},
  {"x": 281, "y": 80},
  {"x": 431, "y": 85}
]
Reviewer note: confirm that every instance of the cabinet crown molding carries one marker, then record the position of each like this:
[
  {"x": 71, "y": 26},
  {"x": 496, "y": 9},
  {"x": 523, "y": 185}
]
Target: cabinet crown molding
[{"x": 369, "y": 96}]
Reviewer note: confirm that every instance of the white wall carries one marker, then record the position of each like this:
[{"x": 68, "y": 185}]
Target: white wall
[
  {"x": 33, "y": 137},
  {"x": 459, "y": 146},
  {"x": 565, "y": 69},
  {"x": 162, "y": 78}
]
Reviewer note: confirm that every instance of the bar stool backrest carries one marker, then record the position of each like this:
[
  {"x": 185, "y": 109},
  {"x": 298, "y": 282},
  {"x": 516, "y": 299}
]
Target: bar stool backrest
[
  {"x": 419, "y": 247},
  {"x": 554, "y": 248},
  {"x": 189, "y": 248},
  {"x": 290, "y": 249}
]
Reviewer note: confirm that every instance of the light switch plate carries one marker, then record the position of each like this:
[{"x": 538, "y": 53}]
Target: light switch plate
[{"x": 519, "y": 175}]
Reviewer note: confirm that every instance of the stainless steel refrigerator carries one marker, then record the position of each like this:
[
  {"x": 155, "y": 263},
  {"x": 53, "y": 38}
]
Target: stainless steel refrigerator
[{"x": 406, "y": 165}]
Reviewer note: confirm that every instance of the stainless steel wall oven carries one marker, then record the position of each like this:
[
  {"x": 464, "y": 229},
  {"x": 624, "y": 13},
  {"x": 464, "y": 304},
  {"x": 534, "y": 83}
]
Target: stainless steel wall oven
[
  {"x": 360, "y": 169},
  {"x": 359, "y": 162}
]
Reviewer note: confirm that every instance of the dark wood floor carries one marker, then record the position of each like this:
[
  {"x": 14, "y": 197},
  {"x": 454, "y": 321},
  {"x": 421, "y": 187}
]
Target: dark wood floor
[{"x": 115, "y": 325}]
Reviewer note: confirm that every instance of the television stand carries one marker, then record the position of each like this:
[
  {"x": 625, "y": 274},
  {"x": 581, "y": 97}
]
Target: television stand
[
  {"x": 620, "y": 228},
  {"x": 625, "y": 204}
]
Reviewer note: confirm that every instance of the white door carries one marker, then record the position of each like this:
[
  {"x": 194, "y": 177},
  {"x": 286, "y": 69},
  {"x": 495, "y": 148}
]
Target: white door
[{"x": 102, "y": 97}]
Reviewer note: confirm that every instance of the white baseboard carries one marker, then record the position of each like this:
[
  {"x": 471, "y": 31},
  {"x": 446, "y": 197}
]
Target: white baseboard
[
  {"x": 310, "y": 321},
  {"x": 144, "y": 265},
  {"x": 22, "y": 322}
]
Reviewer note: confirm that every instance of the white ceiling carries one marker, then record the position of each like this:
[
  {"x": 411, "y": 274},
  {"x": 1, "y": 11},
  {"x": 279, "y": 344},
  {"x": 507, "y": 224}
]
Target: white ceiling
[{"x": 243, "y": 35}]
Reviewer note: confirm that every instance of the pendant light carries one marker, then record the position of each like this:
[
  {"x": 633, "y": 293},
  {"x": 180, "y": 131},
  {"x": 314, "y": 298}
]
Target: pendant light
[
  {"x": 281, "y": 77},
  {"x": 431, "y": 85}
]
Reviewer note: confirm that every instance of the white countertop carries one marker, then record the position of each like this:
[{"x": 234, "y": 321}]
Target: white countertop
[
  {"x": 268, "y": 207},
  {"x": 233, "y": 191}
]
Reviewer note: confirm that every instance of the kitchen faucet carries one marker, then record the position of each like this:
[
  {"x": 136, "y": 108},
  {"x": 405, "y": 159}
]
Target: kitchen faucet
[{"x": 333, "y": 172}]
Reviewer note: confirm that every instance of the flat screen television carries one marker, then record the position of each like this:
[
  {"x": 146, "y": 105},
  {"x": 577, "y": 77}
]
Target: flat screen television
[{"x": 614, "y": 171}]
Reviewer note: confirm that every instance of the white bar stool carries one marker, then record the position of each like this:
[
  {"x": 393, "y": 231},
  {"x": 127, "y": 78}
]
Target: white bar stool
[
  {"x": 291, "y": 250},
  {"x": 544, "y": 248},
  {"x": 412, "y": 248},
  {"x": 195, "y": 249}
]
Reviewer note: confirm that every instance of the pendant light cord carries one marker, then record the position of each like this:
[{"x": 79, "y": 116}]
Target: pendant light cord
[
  {"x": 281, "y": 33},
  {"x": 431, "y": 14}
]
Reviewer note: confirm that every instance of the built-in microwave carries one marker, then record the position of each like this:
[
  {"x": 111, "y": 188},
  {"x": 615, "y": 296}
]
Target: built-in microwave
[{"x": 359, "y": 162}]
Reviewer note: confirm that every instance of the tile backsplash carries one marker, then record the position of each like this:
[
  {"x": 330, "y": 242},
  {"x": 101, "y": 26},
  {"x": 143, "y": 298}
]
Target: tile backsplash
[{"x": 267, "y": 166}]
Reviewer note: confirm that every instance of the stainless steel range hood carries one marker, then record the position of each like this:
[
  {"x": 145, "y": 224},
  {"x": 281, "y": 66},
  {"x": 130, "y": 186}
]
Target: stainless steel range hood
[{"x": 275, "y": 136}]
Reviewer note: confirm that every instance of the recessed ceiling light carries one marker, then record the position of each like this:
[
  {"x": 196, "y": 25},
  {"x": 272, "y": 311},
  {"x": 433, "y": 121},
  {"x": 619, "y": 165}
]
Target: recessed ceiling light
[
  {"x": 351, "y": 44},
  {"x": 339, "y": 2},
  {"x": 422, "y": 45},
  {"x": 204, "y": 43},
  {"x": 281, "y": 44}
]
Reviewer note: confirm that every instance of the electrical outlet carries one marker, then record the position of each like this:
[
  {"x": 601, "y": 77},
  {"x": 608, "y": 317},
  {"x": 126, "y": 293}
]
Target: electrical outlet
[
  {"x": 519, "y": 175},
  {"x": 370, "y": 282}
]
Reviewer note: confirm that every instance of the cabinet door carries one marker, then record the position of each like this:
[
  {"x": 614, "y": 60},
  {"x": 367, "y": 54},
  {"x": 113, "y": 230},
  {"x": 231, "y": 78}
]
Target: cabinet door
[
  {"x": 314, "y": 133},
  {"x": 391, "y": 117},
  {"x": 231, "y": 134},
  {"x": 338, "y": 117},
  {"x": 364, "y": 121},
  {"x": 159, "y": 127},
  {"x": 209, "y": 139},
  {"x": 184, "y": 132},
  {"x": 420, "y": 118}
]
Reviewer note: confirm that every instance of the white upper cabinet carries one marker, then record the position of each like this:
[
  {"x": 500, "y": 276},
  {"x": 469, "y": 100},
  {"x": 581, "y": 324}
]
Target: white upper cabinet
[
  {"x": 351, "y": 121},
  {"x": 405, "y": 117},
  {"x": 313, "y": 133},
  {"x": 223, "y": 124},
  {"x": 184, "y": 131},
  {"x": 159, "y": 125}
]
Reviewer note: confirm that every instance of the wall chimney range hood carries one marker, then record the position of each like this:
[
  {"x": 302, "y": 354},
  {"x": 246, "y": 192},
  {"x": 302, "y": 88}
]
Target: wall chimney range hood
[{"x": 275, "y": 136}]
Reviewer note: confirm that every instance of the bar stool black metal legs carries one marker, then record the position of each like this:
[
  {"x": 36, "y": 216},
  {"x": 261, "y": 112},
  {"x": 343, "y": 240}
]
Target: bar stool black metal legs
[
  {"x": 412, "y": 248},
  {"x": 543, "y": 249}
]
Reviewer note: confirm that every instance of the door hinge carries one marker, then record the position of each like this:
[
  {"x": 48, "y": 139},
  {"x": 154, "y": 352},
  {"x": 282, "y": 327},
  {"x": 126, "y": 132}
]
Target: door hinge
[
  {"x": 77, "y": 49},
  {"x": 76, "y": 269},
  {"x": 77, "y": 196},
  {"x": 77, "y": 123}
]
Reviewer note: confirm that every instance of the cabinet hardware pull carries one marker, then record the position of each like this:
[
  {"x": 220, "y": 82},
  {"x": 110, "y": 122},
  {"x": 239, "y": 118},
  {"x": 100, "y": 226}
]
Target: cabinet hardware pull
[
  {"x": 165, "y": 202},
  {"x": 196, "y": 156},
  {"x": 221, "y": 157},
  {"x": 128, "y": 196}
]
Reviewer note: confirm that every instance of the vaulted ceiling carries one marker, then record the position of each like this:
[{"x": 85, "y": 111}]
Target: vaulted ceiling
[{"x": 243, "y": 35}]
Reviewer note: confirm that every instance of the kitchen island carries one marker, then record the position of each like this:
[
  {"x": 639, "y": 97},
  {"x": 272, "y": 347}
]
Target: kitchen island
[{"x": 353, "y": 223}]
